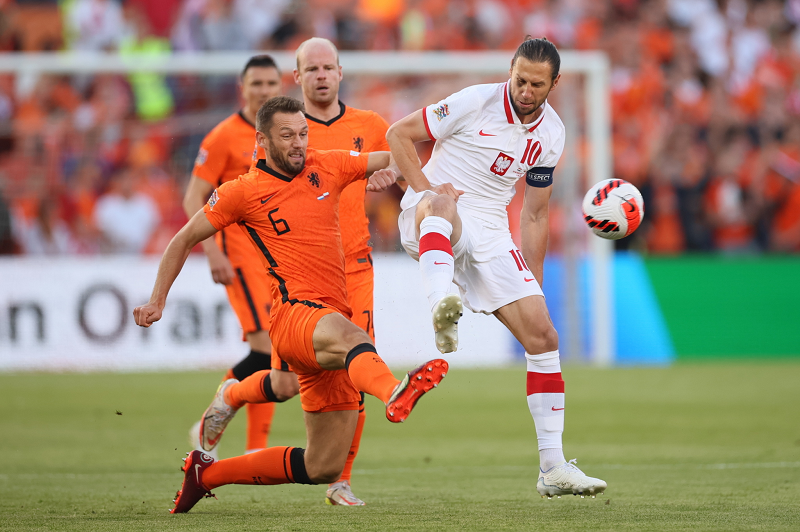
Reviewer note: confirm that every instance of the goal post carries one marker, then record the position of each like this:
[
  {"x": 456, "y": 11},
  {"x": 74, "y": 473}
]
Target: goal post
[{"x": 596, "y": 126}]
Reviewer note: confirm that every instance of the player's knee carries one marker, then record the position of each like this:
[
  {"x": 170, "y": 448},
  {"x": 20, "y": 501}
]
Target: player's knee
[
  {"x": 550, "y": 339},
  {"x": 541, "y": 339},
  {"x": 286, "y": 391},
  {"x": 285, "y": 386},
  {"x": 353, "y": 337},
  {"x": 441, "y": 205}
]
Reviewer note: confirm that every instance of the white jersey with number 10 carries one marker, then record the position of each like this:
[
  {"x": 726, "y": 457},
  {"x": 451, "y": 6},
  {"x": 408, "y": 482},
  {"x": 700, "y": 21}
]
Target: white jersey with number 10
[{"x": 483, "y": 149}]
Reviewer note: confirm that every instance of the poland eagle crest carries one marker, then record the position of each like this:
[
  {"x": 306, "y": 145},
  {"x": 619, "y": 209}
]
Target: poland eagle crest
[{"x": 502, "y": 164}]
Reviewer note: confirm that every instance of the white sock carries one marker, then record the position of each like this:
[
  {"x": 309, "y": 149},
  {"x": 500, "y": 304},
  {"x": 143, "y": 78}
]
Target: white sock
[
  {"x": 436, "y": 258},
  {"x": 546, "y": 403}
]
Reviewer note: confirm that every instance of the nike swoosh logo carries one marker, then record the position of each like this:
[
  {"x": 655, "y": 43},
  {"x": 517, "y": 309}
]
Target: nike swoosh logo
[
  {"x": 197, "y": 473},
  {"x": 482, "y": 134},
  {"x": 441, "y": 263},
  {"x": 528, "y": 280},
  {"x": 263, "y": 201},
  {"x": 554, "y": 409},
  {"x": 631, "y": 205}
]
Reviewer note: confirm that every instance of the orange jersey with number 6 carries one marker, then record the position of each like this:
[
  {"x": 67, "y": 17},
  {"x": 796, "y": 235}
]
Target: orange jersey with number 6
[
  {"x": 360, "y": 131},
  {"x": 294, "y": 224}
]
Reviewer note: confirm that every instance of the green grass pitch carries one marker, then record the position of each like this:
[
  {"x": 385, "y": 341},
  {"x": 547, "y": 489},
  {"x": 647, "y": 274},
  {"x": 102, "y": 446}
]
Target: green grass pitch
[{"x": 692, "y": 447}]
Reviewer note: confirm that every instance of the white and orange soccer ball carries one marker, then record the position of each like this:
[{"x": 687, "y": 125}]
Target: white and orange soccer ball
[{"x": 613, "y": 209}]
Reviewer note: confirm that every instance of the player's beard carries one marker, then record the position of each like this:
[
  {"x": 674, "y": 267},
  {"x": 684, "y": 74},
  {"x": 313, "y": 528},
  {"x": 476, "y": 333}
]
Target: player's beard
[
  {"x": 283, "y": 163},
  {"x": 520, "y": 112}
]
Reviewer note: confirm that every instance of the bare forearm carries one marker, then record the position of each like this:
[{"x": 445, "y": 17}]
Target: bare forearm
[
  {"x": 534, "y": 245},
  {"x": 407, "y": 161},
  {"x": 193, "y": 201},
  {"x": 170, "y": 266},
  {"x": 396, "y": 169}
]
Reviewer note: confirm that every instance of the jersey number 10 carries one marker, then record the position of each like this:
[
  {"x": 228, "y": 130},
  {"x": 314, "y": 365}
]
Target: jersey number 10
[{"x": 532, "y": 152}]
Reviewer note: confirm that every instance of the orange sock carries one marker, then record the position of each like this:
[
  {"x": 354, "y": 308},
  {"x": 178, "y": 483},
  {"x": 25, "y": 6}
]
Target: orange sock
[
  {"x": 250, "y": 390},
  {"x": 259, "y": 420},
  {"x": 276, "y": 465},
  {"x": 351, "y": 456},
  {"x": 369, "y": 372}
]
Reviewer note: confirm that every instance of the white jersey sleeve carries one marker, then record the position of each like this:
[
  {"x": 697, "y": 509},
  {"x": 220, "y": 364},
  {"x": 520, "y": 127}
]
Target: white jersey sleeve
[
  {"x": 452, "y": 115},
  {"x": 541, "y": 175}
]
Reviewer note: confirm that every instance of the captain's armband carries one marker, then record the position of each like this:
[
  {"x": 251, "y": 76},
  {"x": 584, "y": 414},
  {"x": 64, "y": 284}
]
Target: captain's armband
[{"x": 540, "y": 177}]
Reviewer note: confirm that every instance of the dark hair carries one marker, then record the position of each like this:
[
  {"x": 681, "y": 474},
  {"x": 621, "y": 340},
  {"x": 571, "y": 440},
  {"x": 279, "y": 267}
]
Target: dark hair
[
  {"x": 539, "y": 51},
  {"x": 279, "y": 104},
  {"x": 264, "y": 61}
]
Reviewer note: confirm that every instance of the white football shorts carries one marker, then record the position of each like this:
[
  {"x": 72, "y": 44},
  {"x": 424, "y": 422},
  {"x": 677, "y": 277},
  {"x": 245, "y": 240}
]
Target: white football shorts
[{"x": 489, "y": 269}]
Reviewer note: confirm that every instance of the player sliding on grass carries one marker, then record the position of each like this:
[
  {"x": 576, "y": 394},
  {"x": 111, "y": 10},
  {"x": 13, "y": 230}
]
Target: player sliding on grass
[
  {"x": 332, "y": 125},
  {"x": 454, "y": 222},
  {"x": 288, "y": 207},
  {"x": 225, "y": 154}
]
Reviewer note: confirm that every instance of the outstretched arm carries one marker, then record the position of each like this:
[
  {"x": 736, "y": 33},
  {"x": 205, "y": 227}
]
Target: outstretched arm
[
  {"x": 195, "y": 231},
  {"x": 534, "y": 229},
  {"x": 402, "y": 136},
  {"x": 197, "y": 194}
]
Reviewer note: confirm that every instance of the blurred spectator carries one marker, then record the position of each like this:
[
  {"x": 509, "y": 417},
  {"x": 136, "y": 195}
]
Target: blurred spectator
[
  {"x": 80, "y": 199},
  {"x": 258, "y": 19},
  {"x": 46, "y": 234},
  {"x": 222, "y": 27},
  {"x": 152, "y": 97},
  {"x": 187, "y": 33},
  {"x": 160, "y": 14},
  {"x": 126, "y": 218},
  {"x": 7, "y": 244},
  {"x": 94, "y": 25},
  {"x": 705, "y": 101}
]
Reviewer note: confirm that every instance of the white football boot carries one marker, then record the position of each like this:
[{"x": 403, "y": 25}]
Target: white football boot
[
  {"x": 216, "y": 418},
  {"x": 567, "y": 479},
  {"x": 445, "y": 322},
  {"x": 340, "y": 494},
  {"x": 194, "y": 441}
]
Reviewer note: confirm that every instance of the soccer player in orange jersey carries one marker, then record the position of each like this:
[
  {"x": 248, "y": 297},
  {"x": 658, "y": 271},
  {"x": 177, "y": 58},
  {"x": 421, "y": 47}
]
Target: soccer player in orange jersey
[
  {"x": 334, "y": 126},
  {"x": 288, "y": 208},
  {"x": 225, "y": 154}
]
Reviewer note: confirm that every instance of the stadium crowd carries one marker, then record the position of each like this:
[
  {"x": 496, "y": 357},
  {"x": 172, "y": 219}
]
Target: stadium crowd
[{"x": 705, "y": 108}]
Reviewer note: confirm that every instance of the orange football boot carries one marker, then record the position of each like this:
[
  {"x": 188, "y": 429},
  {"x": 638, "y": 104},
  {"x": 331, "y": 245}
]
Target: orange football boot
[{"x": 414, "y": 385}]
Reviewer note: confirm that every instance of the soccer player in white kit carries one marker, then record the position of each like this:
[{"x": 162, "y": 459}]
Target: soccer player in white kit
[{"x": 454, "y": 222}]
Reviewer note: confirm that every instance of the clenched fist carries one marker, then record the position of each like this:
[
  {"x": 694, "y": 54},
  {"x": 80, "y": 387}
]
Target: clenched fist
[{"x": 147, "y": 314}]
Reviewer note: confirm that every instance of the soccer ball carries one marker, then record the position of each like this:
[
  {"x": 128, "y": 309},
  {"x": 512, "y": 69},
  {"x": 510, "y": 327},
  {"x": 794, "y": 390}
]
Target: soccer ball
[{"x": 613, "y": 209}]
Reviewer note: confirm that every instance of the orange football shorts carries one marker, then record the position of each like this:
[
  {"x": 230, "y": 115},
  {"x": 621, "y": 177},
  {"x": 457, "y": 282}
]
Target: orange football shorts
[{"x": 292, "y": 334}]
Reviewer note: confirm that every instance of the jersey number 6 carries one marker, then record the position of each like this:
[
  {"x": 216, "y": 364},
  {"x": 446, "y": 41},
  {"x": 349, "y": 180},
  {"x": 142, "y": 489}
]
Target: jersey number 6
[{"x": 280, "y": 225}]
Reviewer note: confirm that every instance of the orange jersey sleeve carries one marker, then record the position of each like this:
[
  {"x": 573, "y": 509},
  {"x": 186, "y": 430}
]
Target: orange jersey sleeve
[
  {"x": 226, "y": 205},
  {"x": 212, "y": 159},
  {"x": 347, "y": 167},
  {"x": 226, "y": 151}
]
